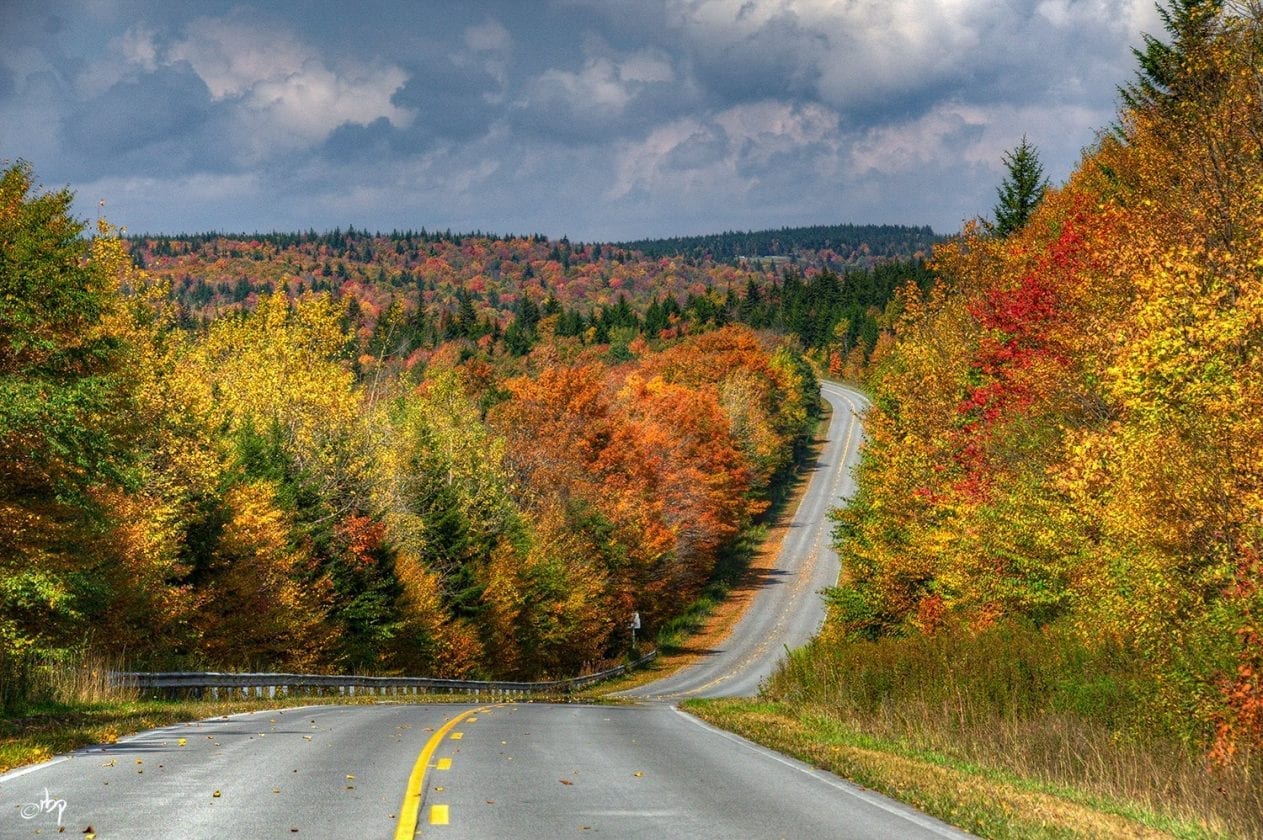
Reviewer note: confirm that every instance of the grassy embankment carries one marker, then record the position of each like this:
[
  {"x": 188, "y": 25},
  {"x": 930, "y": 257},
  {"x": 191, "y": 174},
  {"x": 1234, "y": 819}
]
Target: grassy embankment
[{"x": 1016, "y": 732}]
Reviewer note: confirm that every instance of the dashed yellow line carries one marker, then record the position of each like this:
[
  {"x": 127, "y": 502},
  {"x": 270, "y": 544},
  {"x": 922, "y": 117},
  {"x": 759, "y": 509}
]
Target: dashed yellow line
[
  {"x": 444, "y": 764},
  {"x": 456, "y": 736},
  {"x": 410, "y": 810}
]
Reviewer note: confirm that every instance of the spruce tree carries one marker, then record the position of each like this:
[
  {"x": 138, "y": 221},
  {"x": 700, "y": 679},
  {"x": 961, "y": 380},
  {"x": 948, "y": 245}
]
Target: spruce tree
[
  {"x": 1021, "y": 190},
  {"x": 1163, "y": 76}
]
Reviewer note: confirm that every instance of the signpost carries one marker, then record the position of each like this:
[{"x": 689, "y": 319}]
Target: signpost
[{"x": 635, "y": 625}]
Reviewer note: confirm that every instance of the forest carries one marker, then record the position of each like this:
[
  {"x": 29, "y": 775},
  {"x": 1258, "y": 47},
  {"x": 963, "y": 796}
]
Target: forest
[
  {"x": 1066, "y": 442},
  {"x": 422, "y": 453},
  {"x": 409, "y": 292},
  {"x": 833, "y": 246}
]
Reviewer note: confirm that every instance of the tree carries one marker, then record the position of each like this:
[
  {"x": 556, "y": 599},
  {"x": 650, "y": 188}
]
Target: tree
[
  {"x": 61, "y": 408},
  {"x": 1162, "y": 77},
  {"x": 1021, "y": 190}
]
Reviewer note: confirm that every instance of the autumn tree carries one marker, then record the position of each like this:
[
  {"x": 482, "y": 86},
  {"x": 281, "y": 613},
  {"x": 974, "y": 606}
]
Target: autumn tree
[
  {"x": 1066, "y": 430},
  {"x": 62, "y": 410}
]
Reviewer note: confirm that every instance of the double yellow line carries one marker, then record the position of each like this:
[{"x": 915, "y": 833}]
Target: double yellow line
[{"x": 413, "y": 797}]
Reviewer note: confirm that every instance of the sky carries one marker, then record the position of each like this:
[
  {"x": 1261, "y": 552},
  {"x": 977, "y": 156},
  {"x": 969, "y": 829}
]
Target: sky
[{"x": 601, "y": 120}]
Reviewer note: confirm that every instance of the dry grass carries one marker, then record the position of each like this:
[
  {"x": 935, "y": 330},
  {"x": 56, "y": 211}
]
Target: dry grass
[
  {"x": 984, "y": 801},
  {"x": 1034, "y": 709}
]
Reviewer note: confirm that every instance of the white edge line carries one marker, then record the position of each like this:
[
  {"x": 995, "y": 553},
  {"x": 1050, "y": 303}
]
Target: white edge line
[{"x": 885, "y": 803}]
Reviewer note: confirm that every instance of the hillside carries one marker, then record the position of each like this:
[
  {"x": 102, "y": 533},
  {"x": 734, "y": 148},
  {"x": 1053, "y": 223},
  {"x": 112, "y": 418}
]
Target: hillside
[
  {"x": 1063, "y": 465},
  {"x": 409, "y": 292},
  {"x": 836, "y": 247}
]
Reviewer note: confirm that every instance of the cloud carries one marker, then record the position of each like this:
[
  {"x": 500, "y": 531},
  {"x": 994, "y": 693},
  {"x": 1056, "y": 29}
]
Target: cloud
[
  {"x": 598, "y": 119},
  {"x": 736, "y": 148},
  {"x": 877, "y": 59},
  {"x": 166, "y": 108},
  {"x": 488, "y": 36},
  {"x": 282, "y": 90},
  {"x": 611, "y": 93}
]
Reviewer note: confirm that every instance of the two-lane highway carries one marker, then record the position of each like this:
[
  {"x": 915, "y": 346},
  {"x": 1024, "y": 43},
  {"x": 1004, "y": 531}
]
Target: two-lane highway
[
  {"x": 644, "y": 769},
  {"x": 787, "y": 612}
]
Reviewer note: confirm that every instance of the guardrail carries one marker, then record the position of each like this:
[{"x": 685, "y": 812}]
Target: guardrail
[{"x": 201, "y": 684}]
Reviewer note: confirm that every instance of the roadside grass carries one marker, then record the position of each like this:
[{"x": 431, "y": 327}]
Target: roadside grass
[
  {"x": 1013, "y": 732},
  {"x": 985, "y": 800}
]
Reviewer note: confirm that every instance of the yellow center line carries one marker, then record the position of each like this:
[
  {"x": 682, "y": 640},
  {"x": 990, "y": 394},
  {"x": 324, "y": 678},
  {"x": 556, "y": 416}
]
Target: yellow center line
[{"x": 410, "y": 810}]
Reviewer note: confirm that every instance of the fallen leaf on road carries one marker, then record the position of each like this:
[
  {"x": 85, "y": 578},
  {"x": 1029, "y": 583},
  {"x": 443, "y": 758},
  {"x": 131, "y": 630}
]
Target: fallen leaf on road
[
  {"x": 215, "y": 795},
  {"x": 182, "y": 741},
  {"x": 565, "y": 781},
  {"x": 110, "y": 763},
  {"x": 638, "y": 774},
  {"x": 306, "y": 737},
  {"x": 350, "y": 775}
]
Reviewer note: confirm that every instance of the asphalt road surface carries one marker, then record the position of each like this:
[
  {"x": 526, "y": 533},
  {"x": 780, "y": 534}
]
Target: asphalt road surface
[
  {"x": 787, "y": 611},
  {"x": 643, "y": 770},
  {"x": 518, "y": 771}
]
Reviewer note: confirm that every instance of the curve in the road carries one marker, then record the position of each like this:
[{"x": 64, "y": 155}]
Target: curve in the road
[{"x": 787, "y": 612}]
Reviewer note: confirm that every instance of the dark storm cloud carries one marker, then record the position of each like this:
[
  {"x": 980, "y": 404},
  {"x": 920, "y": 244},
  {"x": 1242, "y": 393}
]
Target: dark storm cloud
[{"x": 452, "y": 101}]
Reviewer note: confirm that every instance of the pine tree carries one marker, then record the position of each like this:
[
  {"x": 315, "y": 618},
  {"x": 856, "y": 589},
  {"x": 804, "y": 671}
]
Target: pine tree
[
  {"x": 1163, "y": 76},
  {"x": 1021, "y": 190}
]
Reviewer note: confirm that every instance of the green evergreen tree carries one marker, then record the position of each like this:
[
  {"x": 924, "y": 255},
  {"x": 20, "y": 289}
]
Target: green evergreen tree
[
  {"x": 1163, "y": 75},
  {"x": 1021, "y": 190}
]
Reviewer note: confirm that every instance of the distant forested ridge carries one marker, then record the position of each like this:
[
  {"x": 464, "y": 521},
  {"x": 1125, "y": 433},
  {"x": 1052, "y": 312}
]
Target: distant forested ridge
[
  {"x": 837, "y": 246},
  {"x": 408, "y": 292}
]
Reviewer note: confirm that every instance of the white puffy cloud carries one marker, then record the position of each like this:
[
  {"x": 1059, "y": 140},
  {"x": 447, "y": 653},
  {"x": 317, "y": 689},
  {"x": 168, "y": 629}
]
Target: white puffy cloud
[
  {"x": 283, "y": 89},
  {"x": 606, "y": 83},
  {"x": 862, "y": 53}
]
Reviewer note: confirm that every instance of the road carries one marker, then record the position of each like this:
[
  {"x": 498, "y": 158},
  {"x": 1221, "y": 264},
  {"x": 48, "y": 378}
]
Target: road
[
  {"x": 786, "y": 612},
  {"x": 643, "y": 769}
]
